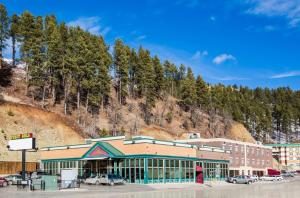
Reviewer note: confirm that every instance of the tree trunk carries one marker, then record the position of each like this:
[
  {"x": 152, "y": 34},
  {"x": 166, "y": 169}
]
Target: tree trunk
[
  {"x": 87, "y": 102},
  {"x": 0, "y": 58},
  {"x": 13, "y": 52},
  {"x": 43, "y": 97},
  {"x": 27, "y": 79},
  {"x": 66, "y": 91},
  {"x": 53, "y": 95},
  {"x": 78, "y": 103}
]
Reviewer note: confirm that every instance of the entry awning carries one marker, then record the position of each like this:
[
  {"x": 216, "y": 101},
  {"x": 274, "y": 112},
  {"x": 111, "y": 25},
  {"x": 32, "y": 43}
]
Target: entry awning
[{"x": 101, "y": 150}]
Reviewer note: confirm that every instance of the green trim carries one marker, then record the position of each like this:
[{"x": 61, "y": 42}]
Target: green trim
[
  {"x": 108, "y": 148},
  {"x": 283, "y": 145},
  {"x": 146, "y": 156},
  {"x": 68, "y": 145},
  {"x": 61, "y": 159},
  {"x": 158, "y": 157}
]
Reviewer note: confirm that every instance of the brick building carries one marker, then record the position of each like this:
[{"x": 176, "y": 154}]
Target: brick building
[
  {"x": 288, "y": 155},
  {"x": 245, "y": 158}
]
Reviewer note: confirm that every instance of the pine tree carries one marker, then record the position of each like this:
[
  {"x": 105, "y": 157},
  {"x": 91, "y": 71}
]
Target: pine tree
[
  {"x": 148, "y": 84},
  {"x": 121, "y": 65},
  {"x": 159, "y": 75},
  {"x": 36, "y": 72},
  {"x": 53, "y": 56},
  {"x": 14, "y": 34},
  {"x": 170, "y": 73},
  {"x": 202, "y": 93},
  {"x": 65, "y": 68},
  {"x": 27, "y": 26},
  {"x": 132, "y": 73},
  {"x": 188, "y": 90},
  {"x": 4, "y": 30}
]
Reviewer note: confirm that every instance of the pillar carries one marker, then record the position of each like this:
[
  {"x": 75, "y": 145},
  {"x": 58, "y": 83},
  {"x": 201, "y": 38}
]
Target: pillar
[{"x": 145, "y": 171}]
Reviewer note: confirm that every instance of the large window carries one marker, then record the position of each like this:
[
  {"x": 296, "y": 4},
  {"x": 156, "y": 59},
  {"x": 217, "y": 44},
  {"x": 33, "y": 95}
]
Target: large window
[{"x": 132, "y": 170}]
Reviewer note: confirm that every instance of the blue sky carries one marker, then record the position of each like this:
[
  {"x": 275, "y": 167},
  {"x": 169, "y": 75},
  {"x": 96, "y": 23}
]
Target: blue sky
[{"x": 244, "y": 42}]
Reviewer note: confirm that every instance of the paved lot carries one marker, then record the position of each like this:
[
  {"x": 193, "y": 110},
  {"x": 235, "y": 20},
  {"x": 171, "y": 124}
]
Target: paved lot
[{"x": 284, "y": 189}]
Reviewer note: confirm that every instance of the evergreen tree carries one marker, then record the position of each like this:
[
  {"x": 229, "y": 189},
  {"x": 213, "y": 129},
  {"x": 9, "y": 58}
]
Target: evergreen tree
[
  {"x": 121, "y": 65},
  {"x": 36, "y": 72},
  {"x": 148, "y": 83},
  {"x": 27, "y": 26},
  {"x": 188, "y": 90},
  {"x": 170, "y": 73},
  {"x": 202, "y": 95},
  {"x": 4, "y": 30},
  {"x": 14, "y": 34},
  {"x": 159, "y": 75},
  {"x": 54, "y": 55},
  {"x": 132, "y": 73}
]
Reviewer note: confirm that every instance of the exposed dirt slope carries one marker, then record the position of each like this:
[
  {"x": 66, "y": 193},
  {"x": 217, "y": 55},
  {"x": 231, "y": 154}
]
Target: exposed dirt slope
[
  {"x": 49, "y": 129},
  {"x": 239, "y": 132}
]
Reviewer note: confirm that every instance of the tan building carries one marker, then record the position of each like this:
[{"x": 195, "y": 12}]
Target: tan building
[
  {"x": 287, "y": 155},
  {"x": 140, "y": 160},
  {"x": 245, "y": 158}
]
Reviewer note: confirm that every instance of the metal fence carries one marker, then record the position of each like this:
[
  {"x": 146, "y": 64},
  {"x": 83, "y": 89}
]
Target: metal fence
[{"x": 64, "y": 184}]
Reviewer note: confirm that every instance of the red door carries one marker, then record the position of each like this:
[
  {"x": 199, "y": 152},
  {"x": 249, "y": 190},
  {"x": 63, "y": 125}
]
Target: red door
[{"x": 199, "y": 175}]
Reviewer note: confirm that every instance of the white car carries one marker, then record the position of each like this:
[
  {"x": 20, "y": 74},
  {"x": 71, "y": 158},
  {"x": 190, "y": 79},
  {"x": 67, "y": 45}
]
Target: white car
[
  {"x": 278, "y": 177},
  {"x": 13, "y": 179},
  {"x": 112, "y": 179},
  {"x": 93, "y": 180},
  {"x": 254, "y": 178},
  {"x": 271, "y": 178}
]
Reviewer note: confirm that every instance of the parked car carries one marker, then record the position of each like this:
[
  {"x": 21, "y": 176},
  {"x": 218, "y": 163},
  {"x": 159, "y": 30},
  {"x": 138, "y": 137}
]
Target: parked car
[
  {"x": 289, "y": 174},
  {"x": 112, "y": 179},
  {"x": 93, "y": 180},
  {"x": 3, "y": 182},
  {"x": 13, "y": 179},
  {"x": 242, "y": 179},
  {"x": 278, "y": 177},
  {"x": 254, "y": 178},
  {"x": 230, "y": 179},
  {"x": 271, "y": 178}
]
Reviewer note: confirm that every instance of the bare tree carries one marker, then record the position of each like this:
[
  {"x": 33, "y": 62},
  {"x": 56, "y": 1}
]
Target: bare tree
[
  {"x": 227, "y": 120},
  {"x": 165, "y": 105},
  {"x": 197, "y": 117},
  {"x": 115, "y": 117},
  {"x": 213, "y": 124}
]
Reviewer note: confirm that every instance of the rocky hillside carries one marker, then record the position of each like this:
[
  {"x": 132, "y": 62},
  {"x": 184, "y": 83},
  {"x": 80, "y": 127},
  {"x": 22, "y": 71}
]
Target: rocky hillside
[
  {"x": 169, "y": 120},
  {"x": 49, "y": 129}
]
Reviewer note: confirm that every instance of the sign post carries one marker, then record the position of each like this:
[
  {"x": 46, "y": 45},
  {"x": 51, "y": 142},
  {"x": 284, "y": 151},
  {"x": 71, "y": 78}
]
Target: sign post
[
  {"x": 22, "y": 142},
  {"x": 23, "y": 164}
]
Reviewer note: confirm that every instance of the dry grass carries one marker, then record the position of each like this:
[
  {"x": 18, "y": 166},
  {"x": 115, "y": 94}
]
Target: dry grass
[
  {"x": 49, "y": 128},
  {"x": 239, "y": 132}
]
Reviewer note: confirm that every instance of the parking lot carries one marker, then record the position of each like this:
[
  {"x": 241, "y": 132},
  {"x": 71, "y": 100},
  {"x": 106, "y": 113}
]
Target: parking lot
[{"x": 285, "y": 188}]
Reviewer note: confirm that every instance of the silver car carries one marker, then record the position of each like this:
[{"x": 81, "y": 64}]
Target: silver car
[
  {"x": 242, "y": 179},
  {"x": 13, "y": 179},
  {"x": 112, "y": 179},
  {"x": 93, "y": 180}
]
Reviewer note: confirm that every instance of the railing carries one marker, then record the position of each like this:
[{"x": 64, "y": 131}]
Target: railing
[
  {"x": 37, "y": 185},
  {"x": 64, "y": 184}
]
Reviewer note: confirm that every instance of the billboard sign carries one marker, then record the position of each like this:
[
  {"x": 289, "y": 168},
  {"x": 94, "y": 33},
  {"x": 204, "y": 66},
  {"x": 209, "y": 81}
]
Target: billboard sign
[{"x": 21, "y": 142}]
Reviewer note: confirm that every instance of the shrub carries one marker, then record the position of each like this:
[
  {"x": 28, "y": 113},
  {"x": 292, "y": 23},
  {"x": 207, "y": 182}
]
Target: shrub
[
  {"x": 169, "y": 117},
  {"x": 103, "y": 132},
  {"x": 10, "y": 112},
  {"x": 186, "y": 125}
]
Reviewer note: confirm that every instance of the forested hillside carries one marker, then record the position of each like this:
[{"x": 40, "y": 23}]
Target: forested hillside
[{"x": 75, "y": 70}]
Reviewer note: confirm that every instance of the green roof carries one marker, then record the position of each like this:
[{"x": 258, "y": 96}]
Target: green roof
[
  {"x": 107, "y": 147},
  {"x": 283, "y": 145},
  {"x": 110, "y": 149}
]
